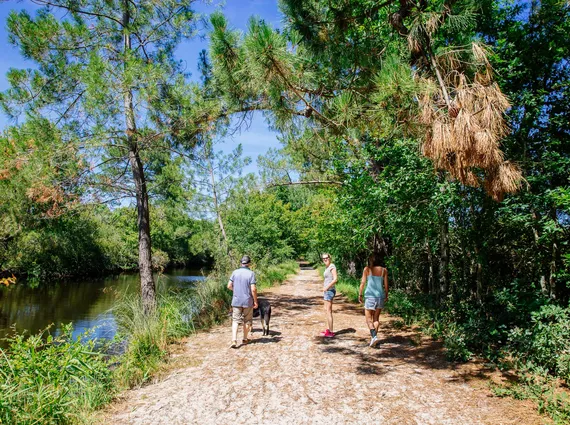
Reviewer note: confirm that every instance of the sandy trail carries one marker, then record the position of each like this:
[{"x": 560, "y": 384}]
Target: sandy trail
[{"x": 294, "y": 376}]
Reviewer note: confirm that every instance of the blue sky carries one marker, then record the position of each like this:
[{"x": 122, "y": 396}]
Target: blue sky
[{"x": 255, "y": 139}]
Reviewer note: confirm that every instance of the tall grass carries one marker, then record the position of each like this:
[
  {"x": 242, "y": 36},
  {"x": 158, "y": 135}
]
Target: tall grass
[{"x": 53, "y": 380}]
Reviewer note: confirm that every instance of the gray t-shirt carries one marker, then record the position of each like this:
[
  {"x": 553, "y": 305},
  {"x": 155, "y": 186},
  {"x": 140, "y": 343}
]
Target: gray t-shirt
[
  {"x": 328, "y": 275},
  {"x": 242, "y": 279}
]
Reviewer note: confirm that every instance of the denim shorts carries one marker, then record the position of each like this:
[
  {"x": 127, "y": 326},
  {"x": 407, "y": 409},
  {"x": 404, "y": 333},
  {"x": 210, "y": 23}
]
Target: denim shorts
[
  {"x": 373, "y": 303},
  {"x": 329, "y": 295}
]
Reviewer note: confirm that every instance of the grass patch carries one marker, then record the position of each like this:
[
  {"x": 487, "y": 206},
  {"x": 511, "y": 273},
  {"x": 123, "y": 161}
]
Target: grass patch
[
  {"x": 348, "y": 286},
  {"x": 275, "y": 274}
]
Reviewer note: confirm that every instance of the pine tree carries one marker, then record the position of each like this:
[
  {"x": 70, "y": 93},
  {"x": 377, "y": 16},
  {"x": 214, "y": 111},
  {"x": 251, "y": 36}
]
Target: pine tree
[
  {"x": 103, "y": 69},
  {"x": 363, "y": 69}
]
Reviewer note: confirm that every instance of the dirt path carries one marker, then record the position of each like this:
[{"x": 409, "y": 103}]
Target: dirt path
[{"x": 296, "y": 377}]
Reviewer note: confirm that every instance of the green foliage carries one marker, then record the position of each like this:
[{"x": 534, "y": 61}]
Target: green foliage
[
  {"x": 52, "y": 380},
  {"x": 259, "y": 225},
  {"x": 275, "y": 274},
  {"x": 544, "y": 346}
]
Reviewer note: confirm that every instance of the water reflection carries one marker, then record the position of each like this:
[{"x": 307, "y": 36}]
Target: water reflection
[{"x": 86, "y": 303}]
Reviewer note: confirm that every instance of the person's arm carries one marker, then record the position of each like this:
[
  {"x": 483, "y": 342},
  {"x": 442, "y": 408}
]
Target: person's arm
[
  {"x": 386, "y": 284},
  {"x": 230, "y": 285},
  {"x": 335, "y": 278},
  {"x": 254, "y": 294},
  {"x": 362, "y": 283}
]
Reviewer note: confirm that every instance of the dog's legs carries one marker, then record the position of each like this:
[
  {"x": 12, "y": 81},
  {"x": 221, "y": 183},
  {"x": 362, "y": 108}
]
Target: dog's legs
[
  {"x": 268, "y": 318},
  {"x": 263, "y": 325}
]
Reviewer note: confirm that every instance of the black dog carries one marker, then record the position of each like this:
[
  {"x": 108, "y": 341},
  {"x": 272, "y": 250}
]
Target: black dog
[{"x": 264, "y": 313}]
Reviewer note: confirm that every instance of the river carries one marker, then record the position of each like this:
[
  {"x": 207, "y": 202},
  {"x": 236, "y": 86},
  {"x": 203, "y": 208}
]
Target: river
[{"x": 86, "y": 303}]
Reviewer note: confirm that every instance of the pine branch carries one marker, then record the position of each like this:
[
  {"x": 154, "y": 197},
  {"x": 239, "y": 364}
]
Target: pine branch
[
  {"x": 332, "y": 182},
  {"x": 76, "y": 10}
]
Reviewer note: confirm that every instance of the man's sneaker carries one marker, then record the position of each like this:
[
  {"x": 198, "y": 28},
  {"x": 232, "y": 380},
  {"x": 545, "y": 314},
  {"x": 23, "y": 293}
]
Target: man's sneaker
[
  {"x": 328, "y": 334},
  {"x": 373, "y": 341},
  {"x": 234, "y": 344}
]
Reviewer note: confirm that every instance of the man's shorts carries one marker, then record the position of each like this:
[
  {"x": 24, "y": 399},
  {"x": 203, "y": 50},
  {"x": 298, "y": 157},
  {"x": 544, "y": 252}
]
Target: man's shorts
[
  {"x": 373, "y": 303},
  {"x": 242, "y": 315},
  {"x": 329, "y": 295}
]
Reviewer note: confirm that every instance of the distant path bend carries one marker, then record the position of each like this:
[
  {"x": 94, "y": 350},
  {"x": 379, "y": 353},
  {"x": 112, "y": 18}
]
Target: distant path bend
[{"x": 296, "y": 377}]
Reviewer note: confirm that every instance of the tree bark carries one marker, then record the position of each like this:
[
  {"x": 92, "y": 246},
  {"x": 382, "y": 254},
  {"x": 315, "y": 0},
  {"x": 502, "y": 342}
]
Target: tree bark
[
  {"x": 148, "y": 290},
  {"x": 443, "y": 244},
  {"x": 553, "y": 259},
  {"x": 444, "y": 254},
  {"x": 542, "y": 280},
  {"x": 216, "y": 206},
  {"x": 431, "y": 271}
]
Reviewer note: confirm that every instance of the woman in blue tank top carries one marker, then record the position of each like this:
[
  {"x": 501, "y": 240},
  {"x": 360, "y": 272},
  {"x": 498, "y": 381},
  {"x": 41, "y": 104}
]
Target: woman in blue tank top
[{"x": 375, "y": 278}]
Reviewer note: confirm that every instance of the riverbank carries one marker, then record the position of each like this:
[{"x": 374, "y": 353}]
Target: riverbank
[
  {"x": 294, "y": 376},
  {"x": 65, "y": 380}
]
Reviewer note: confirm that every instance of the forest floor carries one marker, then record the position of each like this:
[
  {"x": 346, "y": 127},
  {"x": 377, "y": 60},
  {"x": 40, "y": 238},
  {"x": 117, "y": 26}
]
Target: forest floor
[{"x": 294, "y": 376}]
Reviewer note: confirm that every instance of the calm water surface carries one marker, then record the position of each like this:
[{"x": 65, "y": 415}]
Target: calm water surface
[{"x": 86, "y": 303}]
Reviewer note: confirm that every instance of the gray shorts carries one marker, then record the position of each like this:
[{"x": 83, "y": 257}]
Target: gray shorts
[
  {"x": 373, "y": 303},
  {"x": 329, "y": 295},
  {"x": 242, "y": 315}
]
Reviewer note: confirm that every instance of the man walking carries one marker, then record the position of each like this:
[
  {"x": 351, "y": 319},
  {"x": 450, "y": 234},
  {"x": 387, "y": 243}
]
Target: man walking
[{"x": 242, "y": 283}]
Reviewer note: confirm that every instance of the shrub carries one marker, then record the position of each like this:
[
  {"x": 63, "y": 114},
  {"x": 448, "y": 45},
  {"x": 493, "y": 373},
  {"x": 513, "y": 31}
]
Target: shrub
[
  {"x": 545, "y": 344},
  {"x": 52, "y": 379}
]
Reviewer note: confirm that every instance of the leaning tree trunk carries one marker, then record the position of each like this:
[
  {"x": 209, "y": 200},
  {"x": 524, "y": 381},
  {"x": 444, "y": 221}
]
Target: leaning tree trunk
[{"x": 148, "y": 291}]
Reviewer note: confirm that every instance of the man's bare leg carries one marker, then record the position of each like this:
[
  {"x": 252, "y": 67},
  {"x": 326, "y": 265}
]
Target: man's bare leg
[
  {"x": 246, "y": 329},
  {"x": 235, "y": 326}
]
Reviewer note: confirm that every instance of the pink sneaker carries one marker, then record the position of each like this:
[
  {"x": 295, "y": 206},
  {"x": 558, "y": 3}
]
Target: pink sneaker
[
  {"x": 323, "y": 333},
  {"x": 328, "y": 334}
]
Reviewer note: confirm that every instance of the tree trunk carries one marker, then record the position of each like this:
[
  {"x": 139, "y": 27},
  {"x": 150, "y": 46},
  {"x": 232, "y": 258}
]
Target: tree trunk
[
  {"x": 148, "y": 291},
  {"x": 543, "y": 287},
  {"x": 217, "y": 207},
  {"x": 443, "y": 244},
  {"x": 444, "y": 254},
  {"x": 553, "y": 259},
  {"x": 552, "y": 278},
  {"x": 431, "y": 271},
  {"x": 478, "y": 275}
]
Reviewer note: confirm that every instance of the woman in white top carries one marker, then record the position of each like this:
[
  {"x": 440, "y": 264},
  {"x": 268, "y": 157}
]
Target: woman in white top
[{"x": 331, "y": 278}]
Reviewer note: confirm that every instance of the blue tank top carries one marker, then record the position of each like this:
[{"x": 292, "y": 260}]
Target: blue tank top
[{"x": 374, "y": 287}]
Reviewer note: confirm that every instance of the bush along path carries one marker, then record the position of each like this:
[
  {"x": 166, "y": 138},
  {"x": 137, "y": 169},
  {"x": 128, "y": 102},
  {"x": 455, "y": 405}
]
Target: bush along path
[{"x": 294, "y": 376}]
